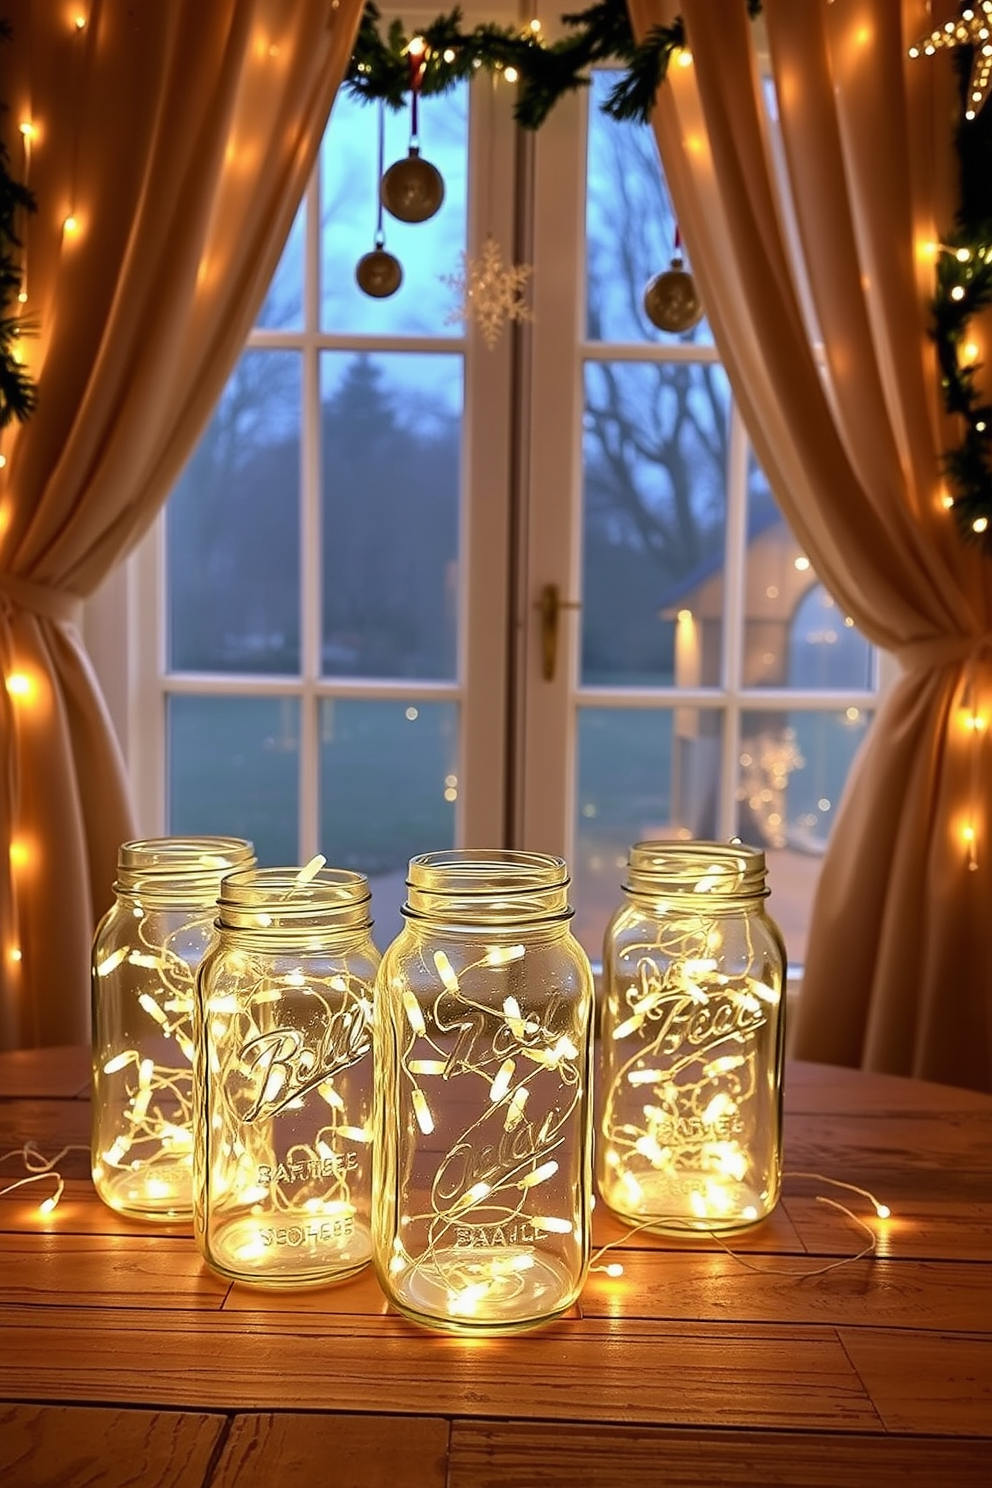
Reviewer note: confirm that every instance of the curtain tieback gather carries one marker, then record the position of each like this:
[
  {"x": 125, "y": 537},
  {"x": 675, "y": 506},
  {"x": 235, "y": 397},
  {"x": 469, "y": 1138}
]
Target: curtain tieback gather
[
  {"x": 941, "y": 650},
  {"x": 54, "y": 604}
]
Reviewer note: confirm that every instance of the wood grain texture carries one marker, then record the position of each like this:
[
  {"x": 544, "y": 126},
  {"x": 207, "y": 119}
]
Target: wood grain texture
[
  {"x": 80, "y": 1212},
  {"x": 822, "y": 1088},
  {"x": 301, "y": 1451},
  {"x": 955, "y": 1296},
  {"x": 358, "y": 1296},
  {"x": 570, "y": 1371},
  {"x": 147, "y": 1271},
  {"x": 50, "y": 1125},
  {"x": 58, "y": 1446},
  {"x": 66, "y": 1070},
  {"x": 927, "y": 1382},
  {"x": 920, "y": 1229},
  {"x": 543, "y": 1455},
  {"x": 123, "y": 1359}
]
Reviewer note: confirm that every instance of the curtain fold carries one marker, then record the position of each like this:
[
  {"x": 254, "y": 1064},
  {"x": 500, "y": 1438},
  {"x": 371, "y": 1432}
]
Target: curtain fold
[
  {"x": 898, "y": 976},
  {"x": 178, "y": 138}
]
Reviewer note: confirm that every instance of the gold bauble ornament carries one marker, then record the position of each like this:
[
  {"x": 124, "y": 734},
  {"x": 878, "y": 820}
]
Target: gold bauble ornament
[
  {"x": 379, "y": 274},
  {"x": 670, "y": 300},
  {"x": 412, "y": 189}
]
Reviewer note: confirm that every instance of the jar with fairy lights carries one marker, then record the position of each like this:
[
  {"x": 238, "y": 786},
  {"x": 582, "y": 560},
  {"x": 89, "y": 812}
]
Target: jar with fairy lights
[
  {"x": 146, "y": 952},
  {"x": 282, "y": 1169},
  {"x": 482, "y": 1156},
  {"x": 689, "y": 1122}
]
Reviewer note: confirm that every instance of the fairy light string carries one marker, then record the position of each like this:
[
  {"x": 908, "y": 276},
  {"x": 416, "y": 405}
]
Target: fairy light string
[
  {"x": 685, "y": 1056},
  {"x": 615, "y": 1269},
  {"x": 40, "y": 1169},
  {"x": 270, "y": 1188},
  {"x": 495, "y": 1199}
]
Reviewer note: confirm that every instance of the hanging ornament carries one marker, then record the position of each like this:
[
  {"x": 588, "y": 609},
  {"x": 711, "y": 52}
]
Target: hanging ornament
[
  {"x": 413, "y": 189},
  {"x": 490, "y": 291},
  {"x": 670, "y": 300},
  {"x": 378, "y": 273}
]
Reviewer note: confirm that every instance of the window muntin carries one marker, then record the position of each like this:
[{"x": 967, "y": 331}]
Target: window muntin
[{"x": 743, "y": 711}]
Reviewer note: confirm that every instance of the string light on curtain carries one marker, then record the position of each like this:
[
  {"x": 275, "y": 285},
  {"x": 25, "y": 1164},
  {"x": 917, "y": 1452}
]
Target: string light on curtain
[{"x": 974, "y": 29}]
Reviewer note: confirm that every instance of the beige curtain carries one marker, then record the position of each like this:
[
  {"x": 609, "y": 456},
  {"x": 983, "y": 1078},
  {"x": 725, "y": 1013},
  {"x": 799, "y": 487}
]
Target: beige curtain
[
  {"x": 179, "y": 136},
  {"x": 899, "y": 966}
]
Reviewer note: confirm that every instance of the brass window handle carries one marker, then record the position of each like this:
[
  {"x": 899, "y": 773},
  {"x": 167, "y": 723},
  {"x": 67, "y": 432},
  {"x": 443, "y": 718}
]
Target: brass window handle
[{"x": 550, "y": 605}]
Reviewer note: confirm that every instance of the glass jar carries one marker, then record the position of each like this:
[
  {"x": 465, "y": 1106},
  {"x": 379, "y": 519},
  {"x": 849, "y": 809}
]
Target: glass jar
[
  {"x": 146, "y": 951},
  {"x": 482, "y": 1160},
  {"x": 689, "y": 1118},
  {"x": 283, "y": 1181}
]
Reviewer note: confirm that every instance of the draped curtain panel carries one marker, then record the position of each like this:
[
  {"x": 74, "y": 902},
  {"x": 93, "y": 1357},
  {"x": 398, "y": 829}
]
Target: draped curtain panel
[
  {"x": 178, "y": 139},
  {"x": 822, "y": 230}
]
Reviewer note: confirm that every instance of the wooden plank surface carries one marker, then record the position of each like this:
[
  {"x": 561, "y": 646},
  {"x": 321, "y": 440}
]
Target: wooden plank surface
[
  {"x": 66, "y": 1070},
  {"x": 124, "y": 1359},
  {"x": 57, "y": 1271},
  {"x": 542, "y": 1455},
  {"x": 926, "y": 1382},
  {"x": 58, "y": 1446},
  {"x": 301, "y": 1451},
  {"x": 578, "y": 1370},
  {"x": 955, "y": 1296}
]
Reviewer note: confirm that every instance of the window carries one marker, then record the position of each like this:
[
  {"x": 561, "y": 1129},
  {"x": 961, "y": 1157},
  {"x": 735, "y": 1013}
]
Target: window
[{"x": 343, "y": 619}]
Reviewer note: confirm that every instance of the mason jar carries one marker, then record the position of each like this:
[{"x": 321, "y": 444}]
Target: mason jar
[
  {"x": 283, "y": 1180},
  {"x": 689, "y": 1102},
  {"x": 146, "y": 951},
  {"x": 482, "y": 1157}
]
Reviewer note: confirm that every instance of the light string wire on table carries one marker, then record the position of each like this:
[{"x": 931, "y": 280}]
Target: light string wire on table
[
  {"x": 39, "y": 1168},
  {"x": 615, "y": 1269}
]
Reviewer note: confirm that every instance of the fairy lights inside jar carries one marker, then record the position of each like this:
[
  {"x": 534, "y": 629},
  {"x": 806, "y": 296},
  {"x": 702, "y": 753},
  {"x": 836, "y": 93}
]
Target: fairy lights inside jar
[
  {"x": 689, "y": 1121},
  {"x": 146, "y": 952}
]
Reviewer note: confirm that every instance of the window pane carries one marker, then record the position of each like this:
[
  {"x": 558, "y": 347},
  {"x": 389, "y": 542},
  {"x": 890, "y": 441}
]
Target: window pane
[
  {"x": 233, "y": 767},
  {"x": 793, "y": 765},
  {"x": 283, "y": 306},
  {"x": 630, "y": 228},
  {"x": 350, "y": 195},
  {"x": 642, "y": 773},
  {"x": 655, "y": 450},
  {"x": 232, "y": 528},
  {"x": 391, "y": 427},
  {"x": 388, "y": 787},
  {"x": 794, "y": 633}
]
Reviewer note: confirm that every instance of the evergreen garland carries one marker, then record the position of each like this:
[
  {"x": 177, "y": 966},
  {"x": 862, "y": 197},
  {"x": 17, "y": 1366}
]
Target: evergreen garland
[
  {"x": 380, "y": 68},
  {"x": 18, "y": 393},
  {"x": 963, "y": 288}
]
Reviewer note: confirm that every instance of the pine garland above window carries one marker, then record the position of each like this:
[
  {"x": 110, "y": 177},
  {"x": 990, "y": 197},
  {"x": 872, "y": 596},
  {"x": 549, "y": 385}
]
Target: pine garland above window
[{"x": 545, "y": 72}]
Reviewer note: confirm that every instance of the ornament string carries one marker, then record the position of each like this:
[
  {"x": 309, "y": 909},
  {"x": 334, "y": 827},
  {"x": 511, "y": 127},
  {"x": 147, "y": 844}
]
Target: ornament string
[
  {"x": 882, "y": 1211},
  {"x": 418, "y": 62},
  {"x": 380, "y": 233}
]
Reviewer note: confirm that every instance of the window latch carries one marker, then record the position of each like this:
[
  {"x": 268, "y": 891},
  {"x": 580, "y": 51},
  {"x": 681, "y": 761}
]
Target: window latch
[{"x": 550, "y": 605}]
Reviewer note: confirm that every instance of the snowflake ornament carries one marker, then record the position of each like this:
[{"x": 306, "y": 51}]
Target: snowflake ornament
[{"x": 490, "y": 291}]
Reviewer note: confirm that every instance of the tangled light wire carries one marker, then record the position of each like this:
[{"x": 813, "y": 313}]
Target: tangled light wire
[
  {"x": 40, "y": 1168},
  {"x": 882, "y": 1211}
]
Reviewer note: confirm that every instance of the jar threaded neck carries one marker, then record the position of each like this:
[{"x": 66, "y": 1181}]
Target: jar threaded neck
[{"x": 476, "y": 886}]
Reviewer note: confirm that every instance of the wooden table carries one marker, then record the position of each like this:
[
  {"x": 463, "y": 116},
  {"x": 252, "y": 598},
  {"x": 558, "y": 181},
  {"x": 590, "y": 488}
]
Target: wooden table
[{"x": 123, "y": 1360}]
